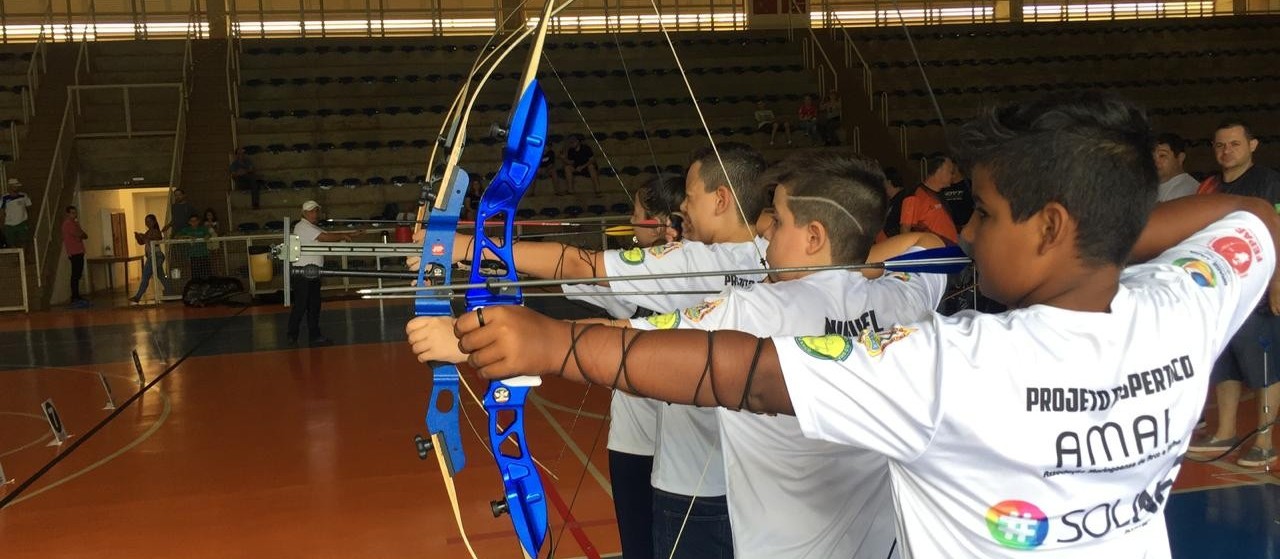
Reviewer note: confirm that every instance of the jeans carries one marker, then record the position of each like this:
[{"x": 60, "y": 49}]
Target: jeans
[
  {"x": 146, "y": 274},
  {"x": 706, "y": 535},
  {"x": 306, "y": 301},
  {"x": 633, "y": 502},
  {"x": 77, "y": 272}
]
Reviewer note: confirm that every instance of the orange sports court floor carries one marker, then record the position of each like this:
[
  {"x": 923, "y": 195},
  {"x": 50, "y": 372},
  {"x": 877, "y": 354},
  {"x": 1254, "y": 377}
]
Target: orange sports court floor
[{"x": 242, "y": 446}]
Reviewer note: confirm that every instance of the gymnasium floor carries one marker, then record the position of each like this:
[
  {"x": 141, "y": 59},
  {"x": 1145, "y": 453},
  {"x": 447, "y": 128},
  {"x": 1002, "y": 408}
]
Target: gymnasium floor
[{"x": 243, "y": 447}]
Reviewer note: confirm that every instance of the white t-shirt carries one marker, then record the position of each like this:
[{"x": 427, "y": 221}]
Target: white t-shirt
[
  {"x": 1040, "y": 428},
  {"x": 633, "y": 434},
  {"x": 824, "y": 499},
  {"x": 1177, "y": 187},
  {"x": 612, "y": 304},
  {"x": 307, "y": 233},
  {"x": 15, "y": 209}
]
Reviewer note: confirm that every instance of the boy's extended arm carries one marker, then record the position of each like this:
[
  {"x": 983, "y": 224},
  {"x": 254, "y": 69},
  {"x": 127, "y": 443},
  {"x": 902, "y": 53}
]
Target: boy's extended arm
[
  {"x": 723, "y": 368},
  {"x": 1174, "y": 221},
  {"x": 541, "y": 260},
  {"x": 896, "y": 245}
]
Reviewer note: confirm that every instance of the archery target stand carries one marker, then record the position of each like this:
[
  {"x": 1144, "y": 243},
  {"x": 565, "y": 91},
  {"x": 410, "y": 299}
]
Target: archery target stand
[
  {"x": 106, "y": 387},
  {"x": 59, "y": 429}
]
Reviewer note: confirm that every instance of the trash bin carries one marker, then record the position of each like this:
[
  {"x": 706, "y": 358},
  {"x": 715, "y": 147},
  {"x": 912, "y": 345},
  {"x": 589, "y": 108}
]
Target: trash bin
[{"x": 260, "y": 264}]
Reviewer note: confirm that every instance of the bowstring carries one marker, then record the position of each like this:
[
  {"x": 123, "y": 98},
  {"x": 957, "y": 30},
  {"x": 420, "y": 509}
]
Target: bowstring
[{"x": 590, "y": 133}]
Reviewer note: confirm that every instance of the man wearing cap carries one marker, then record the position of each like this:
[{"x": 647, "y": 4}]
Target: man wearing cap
[
  {"x": 306, "y": 291},
  {"x": 14, "y": 205}
]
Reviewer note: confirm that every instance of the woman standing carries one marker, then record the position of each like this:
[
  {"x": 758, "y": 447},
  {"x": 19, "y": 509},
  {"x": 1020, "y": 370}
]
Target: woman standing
[{"x": 153, "y": 256}]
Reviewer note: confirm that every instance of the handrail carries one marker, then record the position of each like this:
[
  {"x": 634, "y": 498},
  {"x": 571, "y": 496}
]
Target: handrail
[
  {"x": 810, "y": 58},
  {"x": 852, "y": 48}
]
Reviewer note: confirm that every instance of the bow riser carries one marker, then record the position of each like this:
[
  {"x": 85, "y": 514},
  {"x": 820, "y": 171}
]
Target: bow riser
[
  {"x": 437, "y": 259},
  {"x": 523, "y": 496}
]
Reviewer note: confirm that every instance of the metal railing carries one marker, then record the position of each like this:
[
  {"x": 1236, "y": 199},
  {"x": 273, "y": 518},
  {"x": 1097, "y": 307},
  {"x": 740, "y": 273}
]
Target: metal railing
[
  {"x": 233, "y": 79},
  {"x": 8, "y": 300},
  {"x": 61, "y": 172},
  {"x": 126, "y": 95}
]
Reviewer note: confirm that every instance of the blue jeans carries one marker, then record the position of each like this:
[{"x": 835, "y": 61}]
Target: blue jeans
[
  {"x": 706, "y": 534},
  {"x": 146, "y": 275}
]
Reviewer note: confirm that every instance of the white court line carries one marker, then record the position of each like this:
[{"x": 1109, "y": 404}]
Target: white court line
[
  {"x": 42, "y": 438},
  {"x": 164, "y": 414}
]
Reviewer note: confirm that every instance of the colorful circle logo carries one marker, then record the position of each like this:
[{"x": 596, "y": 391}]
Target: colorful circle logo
[
  {"x": 1017, "y": 524},
  {"x": 1199, "y": 270}
]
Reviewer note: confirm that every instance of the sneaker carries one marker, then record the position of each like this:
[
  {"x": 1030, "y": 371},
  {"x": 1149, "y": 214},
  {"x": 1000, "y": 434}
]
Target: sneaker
[
  {"x": 1207, "y": 443},
  {"x": 321, "y": 341},
  {"x": 1257, "y": 457},
  {"x": 135, "y": 299}
]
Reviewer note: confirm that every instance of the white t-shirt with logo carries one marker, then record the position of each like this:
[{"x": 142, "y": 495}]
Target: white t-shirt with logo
[
  {"x": 823, "y": 499},
  {"x": 631, "y": 431},
  {"x": 1177, "y": 187},
  {"x": 1041, "y": 428},
  {"x": 307, "y": 233}
]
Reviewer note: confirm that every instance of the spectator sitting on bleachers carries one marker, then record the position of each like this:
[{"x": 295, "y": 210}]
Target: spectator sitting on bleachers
[
  {"x": 1170, "y": 153},
  {"x": 547, "y": 168},
  {"x": 766, "y": 120},
  {"x": 807, "y": 118},
  {"x": 581, "y": 162}
]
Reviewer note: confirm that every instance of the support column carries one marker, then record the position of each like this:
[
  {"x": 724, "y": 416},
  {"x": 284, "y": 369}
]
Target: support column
[
  {"x": 508, "y": 7},
  {"x": 216, "y": 12},
  {"x": 1009, "y": 10}
]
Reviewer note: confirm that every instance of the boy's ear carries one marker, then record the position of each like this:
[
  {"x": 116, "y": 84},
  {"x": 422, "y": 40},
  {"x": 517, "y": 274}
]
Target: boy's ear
[
  {"x": 816, "y": 237},
  {"x": 724, "y": 198},
  {"x": 1056, "y": 227}
]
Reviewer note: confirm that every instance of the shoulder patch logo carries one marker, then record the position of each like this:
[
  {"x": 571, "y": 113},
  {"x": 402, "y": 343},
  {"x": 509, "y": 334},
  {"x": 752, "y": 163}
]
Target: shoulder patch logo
[
  {"x": 664, "y": 321},
  {"x": 632, "y": 255},
  {"x": 900, "y": 276},
  {"x": 699, "y": 312},
  {"x": 830, "y": 347},
  {"x": 661, "y": 250},
  {"x": 1200, "y": 271},
  {"x": 877, "y": 342},
  {"x": 1237, "y": 252}
]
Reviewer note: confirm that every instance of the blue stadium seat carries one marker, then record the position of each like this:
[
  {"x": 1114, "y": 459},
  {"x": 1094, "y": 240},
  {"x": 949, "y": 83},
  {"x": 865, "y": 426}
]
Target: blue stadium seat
[
  {"x": 248, "y": 227},
  {"x": 274, "y": 225}
]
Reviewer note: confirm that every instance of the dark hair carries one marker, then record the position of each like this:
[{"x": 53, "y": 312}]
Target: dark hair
[
  {"x": 661, "y": 195},
  {"x": 1232, "y": 123},
  {"x": 1089, "y": 152},
  {"x": 892, "y": 175},
  {"x": 149, "y": 219},
  {"x": 208, "y": 211},
  {"x": 1175, "y": 142},
  {"x": 933, "y": 163},
  {"x": 839, "y": 189},
  {"x": 742, "y": 168},
  {"x": 68, "y": 210}
]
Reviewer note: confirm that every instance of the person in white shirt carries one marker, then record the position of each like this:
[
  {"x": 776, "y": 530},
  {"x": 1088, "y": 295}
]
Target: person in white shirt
[
  {"x": 1058, "y": 426},
  {"x": 719, "y": 209},
  {"x": 306, "y": 291},
  {"x": 826, "y": 499},
  {"x": 1170, "y": 154},
  {"x": 15, "y": 206}
]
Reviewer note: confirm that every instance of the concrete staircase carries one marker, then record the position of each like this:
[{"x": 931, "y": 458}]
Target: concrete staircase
[{"x": 33, "y": 169}]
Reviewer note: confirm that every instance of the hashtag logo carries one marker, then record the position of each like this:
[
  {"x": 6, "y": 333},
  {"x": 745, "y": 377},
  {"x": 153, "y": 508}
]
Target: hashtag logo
[
  {"x": 1019, "y": 528},
  {"x": 1017, "y": 524}
]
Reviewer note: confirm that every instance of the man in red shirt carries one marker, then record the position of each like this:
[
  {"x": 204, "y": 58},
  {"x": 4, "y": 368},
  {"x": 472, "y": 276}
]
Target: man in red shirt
[
  {"x": 923, "y": 209},
  {"x": 73, "y": 237}
]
